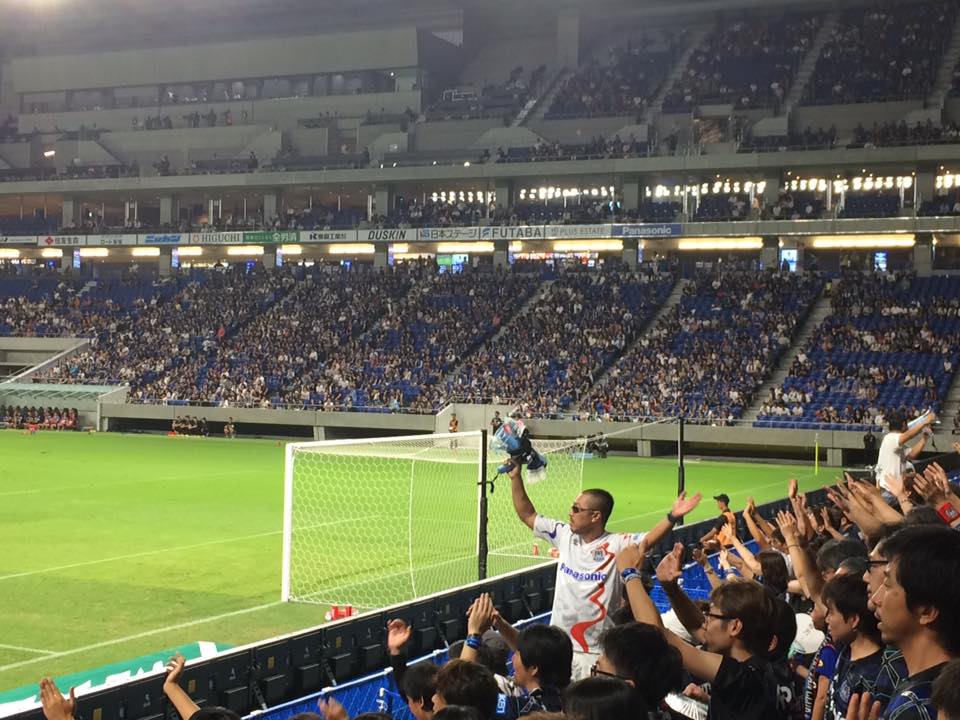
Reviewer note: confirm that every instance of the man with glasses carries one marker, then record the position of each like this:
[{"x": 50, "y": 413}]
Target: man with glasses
[
  {"x": 588, "y": 585},
  {"x": 738, "y": 630}
]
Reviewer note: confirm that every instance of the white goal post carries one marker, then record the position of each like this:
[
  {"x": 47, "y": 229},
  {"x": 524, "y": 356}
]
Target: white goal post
[{"x": 374, "y": 522}]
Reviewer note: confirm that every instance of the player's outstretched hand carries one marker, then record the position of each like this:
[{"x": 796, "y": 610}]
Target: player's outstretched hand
[
  {"x": 332, "y": 710},
  {"x": 684, "y": 505},
  {"x": 481, "y": 615},
  {"x": 55, "y": 705},
  {"x": 174, "y": 670},
  {"x": 398, "y": 635},
  {"x": 670, "y": 568}
]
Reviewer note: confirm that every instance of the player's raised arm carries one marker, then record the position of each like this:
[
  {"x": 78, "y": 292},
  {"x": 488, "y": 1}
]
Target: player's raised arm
[{"x": 521, "y": 501}]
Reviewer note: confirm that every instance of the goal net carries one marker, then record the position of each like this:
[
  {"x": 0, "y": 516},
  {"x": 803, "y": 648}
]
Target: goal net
[{"x": 373, "y": 523}]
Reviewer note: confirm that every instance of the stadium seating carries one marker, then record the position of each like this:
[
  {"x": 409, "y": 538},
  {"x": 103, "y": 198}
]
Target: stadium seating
[
  {"x": 892, "y": 342},
  {"x": 745, "y": 63},
  {"x": 549, "y": 356},
  {"x": 884, "y": 52},
  {"x": 622, "y": 85},
  {"x": 705, "y": 360}
]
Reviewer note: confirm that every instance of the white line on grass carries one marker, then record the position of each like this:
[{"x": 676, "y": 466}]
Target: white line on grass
[
  {"x": 138, "y": 636},
  {"x": 21, "y": 648},
  {"x": 115, "y": 483},
  {"x": 162, "y": 551}
]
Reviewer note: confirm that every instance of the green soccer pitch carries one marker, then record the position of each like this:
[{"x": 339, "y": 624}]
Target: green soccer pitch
[{"x": 113, "y": 546}]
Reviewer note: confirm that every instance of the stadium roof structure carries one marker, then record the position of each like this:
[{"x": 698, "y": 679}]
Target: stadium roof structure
[{"x": 58, "y": 392}]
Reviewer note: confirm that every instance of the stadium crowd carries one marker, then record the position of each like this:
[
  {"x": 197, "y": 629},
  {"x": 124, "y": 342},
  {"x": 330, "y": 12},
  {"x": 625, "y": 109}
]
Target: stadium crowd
[
  {"x": 884, "y": 52},
  {"x": 706, "y": 358},
  {"x": 746, "y": 63},
  {"x": 574, "y": 328},
  {"x": 891, "y": 341}
]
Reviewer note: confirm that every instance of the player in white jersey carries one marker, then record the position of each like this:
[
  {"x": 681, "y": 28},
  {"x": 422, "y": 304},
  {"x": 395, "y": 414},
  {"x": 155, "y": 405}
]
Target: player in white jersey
[{"x": 588, "y": 586}]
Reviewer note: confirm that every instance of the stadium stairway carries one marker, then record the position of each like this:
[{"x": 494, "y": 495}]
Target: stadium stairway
[
  {"x": 805, "y": 71},
  {"x": 669, "y": 306},
  {"x": 820, "y": 310},
  {"x": 539, "y": 110},
  {"x": 679, "y": 68},
  {"x": 951, "y": 404},
  {"x": 941, "y": 86}
]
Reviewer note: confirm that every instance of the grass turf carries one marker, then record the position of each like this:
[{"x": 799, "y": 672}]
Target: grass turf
[{"x": 115, "y": 546}]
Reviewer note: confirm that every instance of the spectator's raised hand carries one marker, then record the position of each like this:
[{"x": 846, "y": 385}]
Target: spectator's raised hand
[
  {"x": 480, "y": 617},
  {"x": 175, "y": 667},
  {"x": 933, "y": 485},
  {"x": 670, "y": 568},
  {"x": 862, "y": 707},
  {"x": 787, "y": 524},
  {"x": 792, "y": 488},
  {"x": 398, "y": 635},
  {"x": 55, "y": 705},
  {"x": 684, "y": 505},
  {"x": 330, "y": 709},
  {"x": 631, "y": 556},
  {"x": 701, "y": 557}
]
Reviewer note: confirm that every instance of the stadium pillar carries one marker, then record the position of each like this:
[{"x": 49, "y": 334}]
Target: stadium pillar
[
  {"x": 383, "y": 200},
  {"x": 568, "y": 38},
  {"x": 923, "y": 255},
  {"x": 630, "y": 192},
  {"x": 319, "y": 433},
  {"x": 772, "y": 191},
  {"x": 770, "y": 254},
  {"x": 269, "y": 209},
  {"x": 381, "y": 255},
  {"x": 269, "y": 258},
  {"x": 166, "y": 210},
  {"x": 501, "y": 253},
  {"x": 165, "y": 262},
  {"x": 630, "y": 246},
  {"x": 504, "y": 193},
  {"x": 71, "y": 212},
  {"x": 926, "y": 182}
]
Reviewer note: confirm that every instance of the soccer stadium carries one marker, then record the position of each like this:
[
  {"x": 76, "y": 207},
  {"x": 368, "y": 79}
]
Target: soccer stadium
[{"x": 477, "y": 360}]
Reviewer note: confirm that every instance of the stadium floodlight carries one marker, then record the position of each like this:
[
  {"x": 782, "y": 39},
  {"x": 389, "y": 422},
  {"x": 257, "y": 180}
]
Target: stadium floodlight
[
  {"x": 400, "y": 248},
  {"x": 587, "y": 245},
  {"x": 94, "y": 252},
  {"x": 50, "y": 253},
  {"x": 190, "y": 251},
  {"x": 863, "y": 242},
  {"x": 351, "y": 249},
  {"x": 375, "y": 522},
  {"x": 145, "y": 252},
  {"x": 707, "y": 243},
  {"x": 291, "y": 249},
  {"x": 49, "y": 153},
  {"x": 9, "y": 253},
  {"x": 454, "y": 248},
  {"x": 245, "y": 250}
]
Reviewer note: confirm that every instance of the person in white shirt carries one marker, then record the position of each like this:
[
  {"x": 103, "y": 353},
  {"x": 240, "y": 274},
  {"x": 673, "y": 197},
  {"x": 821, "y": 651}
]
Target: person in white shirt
[
  {"x": 894, "y": 452},
  {"x": 589, "y": 587}
]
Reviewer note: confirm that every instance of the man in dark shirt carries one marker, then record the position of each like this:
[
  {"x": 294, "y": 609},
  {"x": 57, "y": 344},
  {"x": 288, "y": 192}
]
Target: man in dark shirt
[
  {"x": 737, "y": 630},
  {"x": 918, "y": 606}
]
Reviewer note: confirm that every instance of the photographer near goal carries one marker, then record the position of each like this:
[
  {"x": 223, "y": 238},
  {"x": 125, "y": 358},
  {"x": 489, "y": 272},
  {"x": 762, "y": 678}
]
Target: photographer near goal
[{"x": 589, "y": 587}]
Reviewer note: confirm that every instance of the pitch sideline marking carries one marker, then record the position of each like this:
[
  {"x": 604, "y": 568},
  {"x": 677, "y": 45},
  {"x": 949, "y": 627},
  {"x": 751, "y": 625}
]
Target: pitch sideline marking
[
  {"x": 138, "y": 636},
  {"x": 161, "y": 551},
  {"x": 21, "y": 648},
  {"x": 115, "y": 483}
]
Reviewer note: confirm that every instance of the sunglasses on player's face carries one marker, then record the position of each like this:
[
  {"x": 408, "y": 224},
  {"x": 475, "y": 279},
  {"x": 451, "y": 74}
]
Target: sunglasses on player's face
[{"x": 576, "y": 509}]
